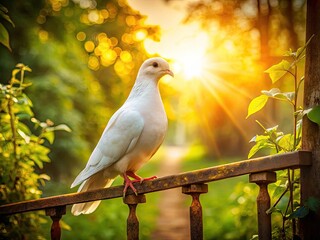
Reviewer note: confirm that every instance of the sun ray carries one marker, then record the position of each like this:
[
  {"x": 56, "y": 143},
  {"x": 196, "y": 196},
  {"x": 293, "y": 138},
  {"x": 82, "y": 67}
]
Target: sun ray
[
  {"x": 221, "y": 103},
  {"x": 205, "y": 123},
  {"x": 202, "y": 66}
]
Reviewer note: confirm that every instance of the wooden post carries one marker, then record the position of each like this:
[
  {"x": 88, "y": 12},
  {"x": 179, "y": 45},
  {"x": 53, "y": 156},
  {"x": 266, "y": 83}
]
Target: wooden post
[
  {"x": 196, "y": 226},
  {"x": 310, "y": 176},
  {"x": 132, "y": 221},
  {"x": 263, "y": 179}
]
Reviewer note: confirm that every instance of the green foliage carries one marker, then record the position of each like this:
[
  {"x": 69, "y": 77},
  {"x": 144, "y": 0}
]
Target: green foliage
[
  {"x": 22, "y": 154},
  {"x": 277, "y": 71},
  {"x": 272, "y": 139},
  {"x": 314, "y": 114},
  {"x": 4, "y": 35},
  {"x": 267, "y": 141},
  {"x": 311, "y": 204},
  {"x": 287, "y": 188},
  {"x": 257, "y": 104}
]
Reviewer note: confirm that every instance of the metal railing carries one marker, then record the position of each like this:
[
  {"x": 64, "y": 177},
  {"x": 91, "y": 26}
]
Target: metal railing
[{"x": 260, "y": 170}]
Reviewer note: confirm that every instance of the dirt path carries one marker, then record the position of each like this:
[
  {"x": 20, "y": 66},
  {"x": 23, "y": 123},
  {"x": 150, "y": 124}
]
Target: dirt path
[{"x": 173, "y": 219}]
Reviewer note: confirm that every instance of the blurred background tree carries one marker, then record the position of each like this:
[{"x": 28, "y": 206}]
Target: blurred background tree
[{"x": 81, "y": 53}]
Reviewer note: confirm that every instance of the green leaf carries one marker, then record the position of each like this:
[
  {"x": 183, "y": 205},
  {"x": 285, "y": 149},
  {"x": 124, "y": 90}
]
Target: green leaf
[
  {"x": 65, "y": 226},
  {"x": 25, "y": 137},
  {"x": 26, "y": 100},
  {"x": 259, "y": 138},
  {"x": 3, "y": 14},
  {"x": 15, "y": 72},
  {"x": 25, "y": 85},
  {"x": 273, "y": 209},
  {"x": 257, "y": 104},
  {"x": 278, "y": 190},
  {"x": 314, "y": 114},
  {"x": 24, "y": 128},
  {"x": 23, "y": 115},
  {"x": 272, "y": 130},
  {"x": 286, "y": 142},
  {"x": 3, "y": 9},
  {"x": 254, "y": 150},
  {"x": 290, "y": 53},
  {"x": 287, "y": 95},
  {"x": 313, "y": 204},
  {"x": 62, "y": 127},
  {"x": 272, "y": 92},
  {"x": 26, "y": 68},
  {"x": 254, "y": 237},
  {"x": 277, "y": 71},
  {"x": 258, "y": 146},
  {"x": 299, "y": 134},
  {"x": 49, "y": 136},
  {"x": 38, "y": 162},
  {"x": 44, "y": 176},
  {"x": 4, "y": 37},
  {"x": 300, "y": 212},
  {"x": 276, "y": 93},
  {"x": 20, "y": 65}
]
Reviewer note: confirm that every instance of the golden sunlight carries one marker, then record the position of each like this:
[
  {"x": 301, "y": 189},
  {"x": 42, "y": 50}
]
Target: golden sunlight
[
  {"x": 190, "y": 64},
  {"x": 187, "y": 51}
]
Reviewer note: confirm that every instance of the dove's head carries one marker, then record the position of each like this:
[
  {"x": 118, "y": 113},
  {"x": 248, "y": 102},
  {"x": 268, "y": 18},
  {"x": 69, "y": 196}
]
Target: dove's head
[{"x": 155, "y": 68}]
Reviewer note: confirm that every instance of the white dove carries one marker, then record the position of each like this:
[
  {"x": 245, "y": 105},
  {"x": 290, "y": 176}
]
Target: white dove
[{"x": 132, "y": 136}]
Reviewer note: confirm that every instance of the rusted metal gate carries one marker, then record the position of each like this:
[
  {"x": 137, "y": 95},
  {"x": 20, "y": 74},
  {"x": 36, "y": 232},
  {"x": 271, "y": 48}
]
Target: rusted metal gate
[{"x": 260, "y": 171}]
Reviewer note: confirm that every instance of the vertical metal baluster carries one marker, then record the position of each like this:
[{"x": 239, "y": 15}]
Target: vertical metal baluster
[
  {"x": 196, "y": 226},
  {"x": 56, "y": 214},
  {"x": 132, "y": 221},
  {"x": 263, "y": 202}
]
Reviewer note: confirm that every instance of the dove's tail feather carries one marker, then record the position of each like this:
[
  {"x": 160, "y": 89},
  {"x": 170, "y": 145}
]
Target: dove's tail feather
[{"x": 95, "y": 182}]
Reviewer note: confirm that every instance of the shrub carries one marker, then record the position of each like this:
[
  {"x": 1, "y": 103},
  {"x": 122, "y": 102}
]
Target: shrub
[{"x": 23, "y": 152}]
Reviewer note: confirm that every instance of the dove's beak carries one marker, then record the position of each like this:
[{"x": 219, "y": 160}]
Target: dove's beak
[{"x": 169, "y": 72}]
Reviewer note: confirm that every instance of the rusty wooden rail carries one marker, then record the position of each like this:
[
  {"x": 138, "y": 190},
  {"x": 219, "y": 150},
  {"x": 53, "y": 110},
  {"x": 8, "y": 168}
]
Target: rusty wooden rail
[{"x": 261, "y": 171}]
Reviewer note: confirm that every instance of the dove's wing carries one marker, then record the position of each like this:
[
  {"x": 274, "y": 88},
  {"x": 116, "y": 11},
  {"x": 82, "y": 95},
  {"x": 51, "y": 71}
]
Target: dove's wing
[{"x": 119, "y": 138}]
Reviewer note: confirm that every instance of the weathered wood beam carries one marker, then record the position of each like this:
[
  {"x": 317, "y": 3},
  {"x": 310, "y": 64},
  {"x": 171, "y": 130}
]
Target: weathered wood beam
[{"x": 262, "y": 164}]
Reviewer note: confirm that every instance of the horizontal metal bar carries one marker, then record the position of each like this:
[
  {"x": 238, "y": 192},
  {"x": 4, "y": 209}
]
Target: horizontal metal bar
[{"x": 270, "y": 163}]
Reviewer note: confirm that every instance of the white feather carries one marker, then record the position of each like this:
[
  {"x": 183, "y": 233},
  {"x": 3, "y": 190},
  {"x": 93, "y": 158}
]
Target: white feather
[{"x": 118, "y": 139}]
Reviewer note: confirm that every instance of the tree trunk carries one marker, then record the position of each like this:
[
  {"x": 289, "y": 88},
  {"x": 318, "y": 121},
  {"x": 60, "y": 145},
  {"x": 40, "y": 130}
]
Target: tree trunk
[
  {"x": 310, "y": 176},
  {"x": 263, "y": 25}
]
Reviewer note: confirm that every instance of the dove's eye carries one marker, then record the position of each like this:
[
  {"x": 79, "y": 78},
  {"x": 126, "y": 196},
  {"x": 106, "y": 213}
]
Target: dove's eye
[{"x": 155, "y": 64}]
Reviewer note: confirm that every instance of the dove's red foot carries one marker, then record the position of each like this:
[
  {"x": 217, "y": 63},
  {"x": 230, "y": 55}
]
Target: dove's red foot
[
  {"x": 138, "y": 178},
  {"x": 128, "y": 182}
]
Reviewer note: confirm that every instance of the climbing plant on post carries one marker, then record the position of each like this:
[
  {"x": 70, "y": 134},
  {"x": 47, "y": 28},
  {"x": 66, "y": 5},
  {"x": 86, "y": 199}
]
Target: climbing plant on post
[{"x": 277, "y": 142}]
